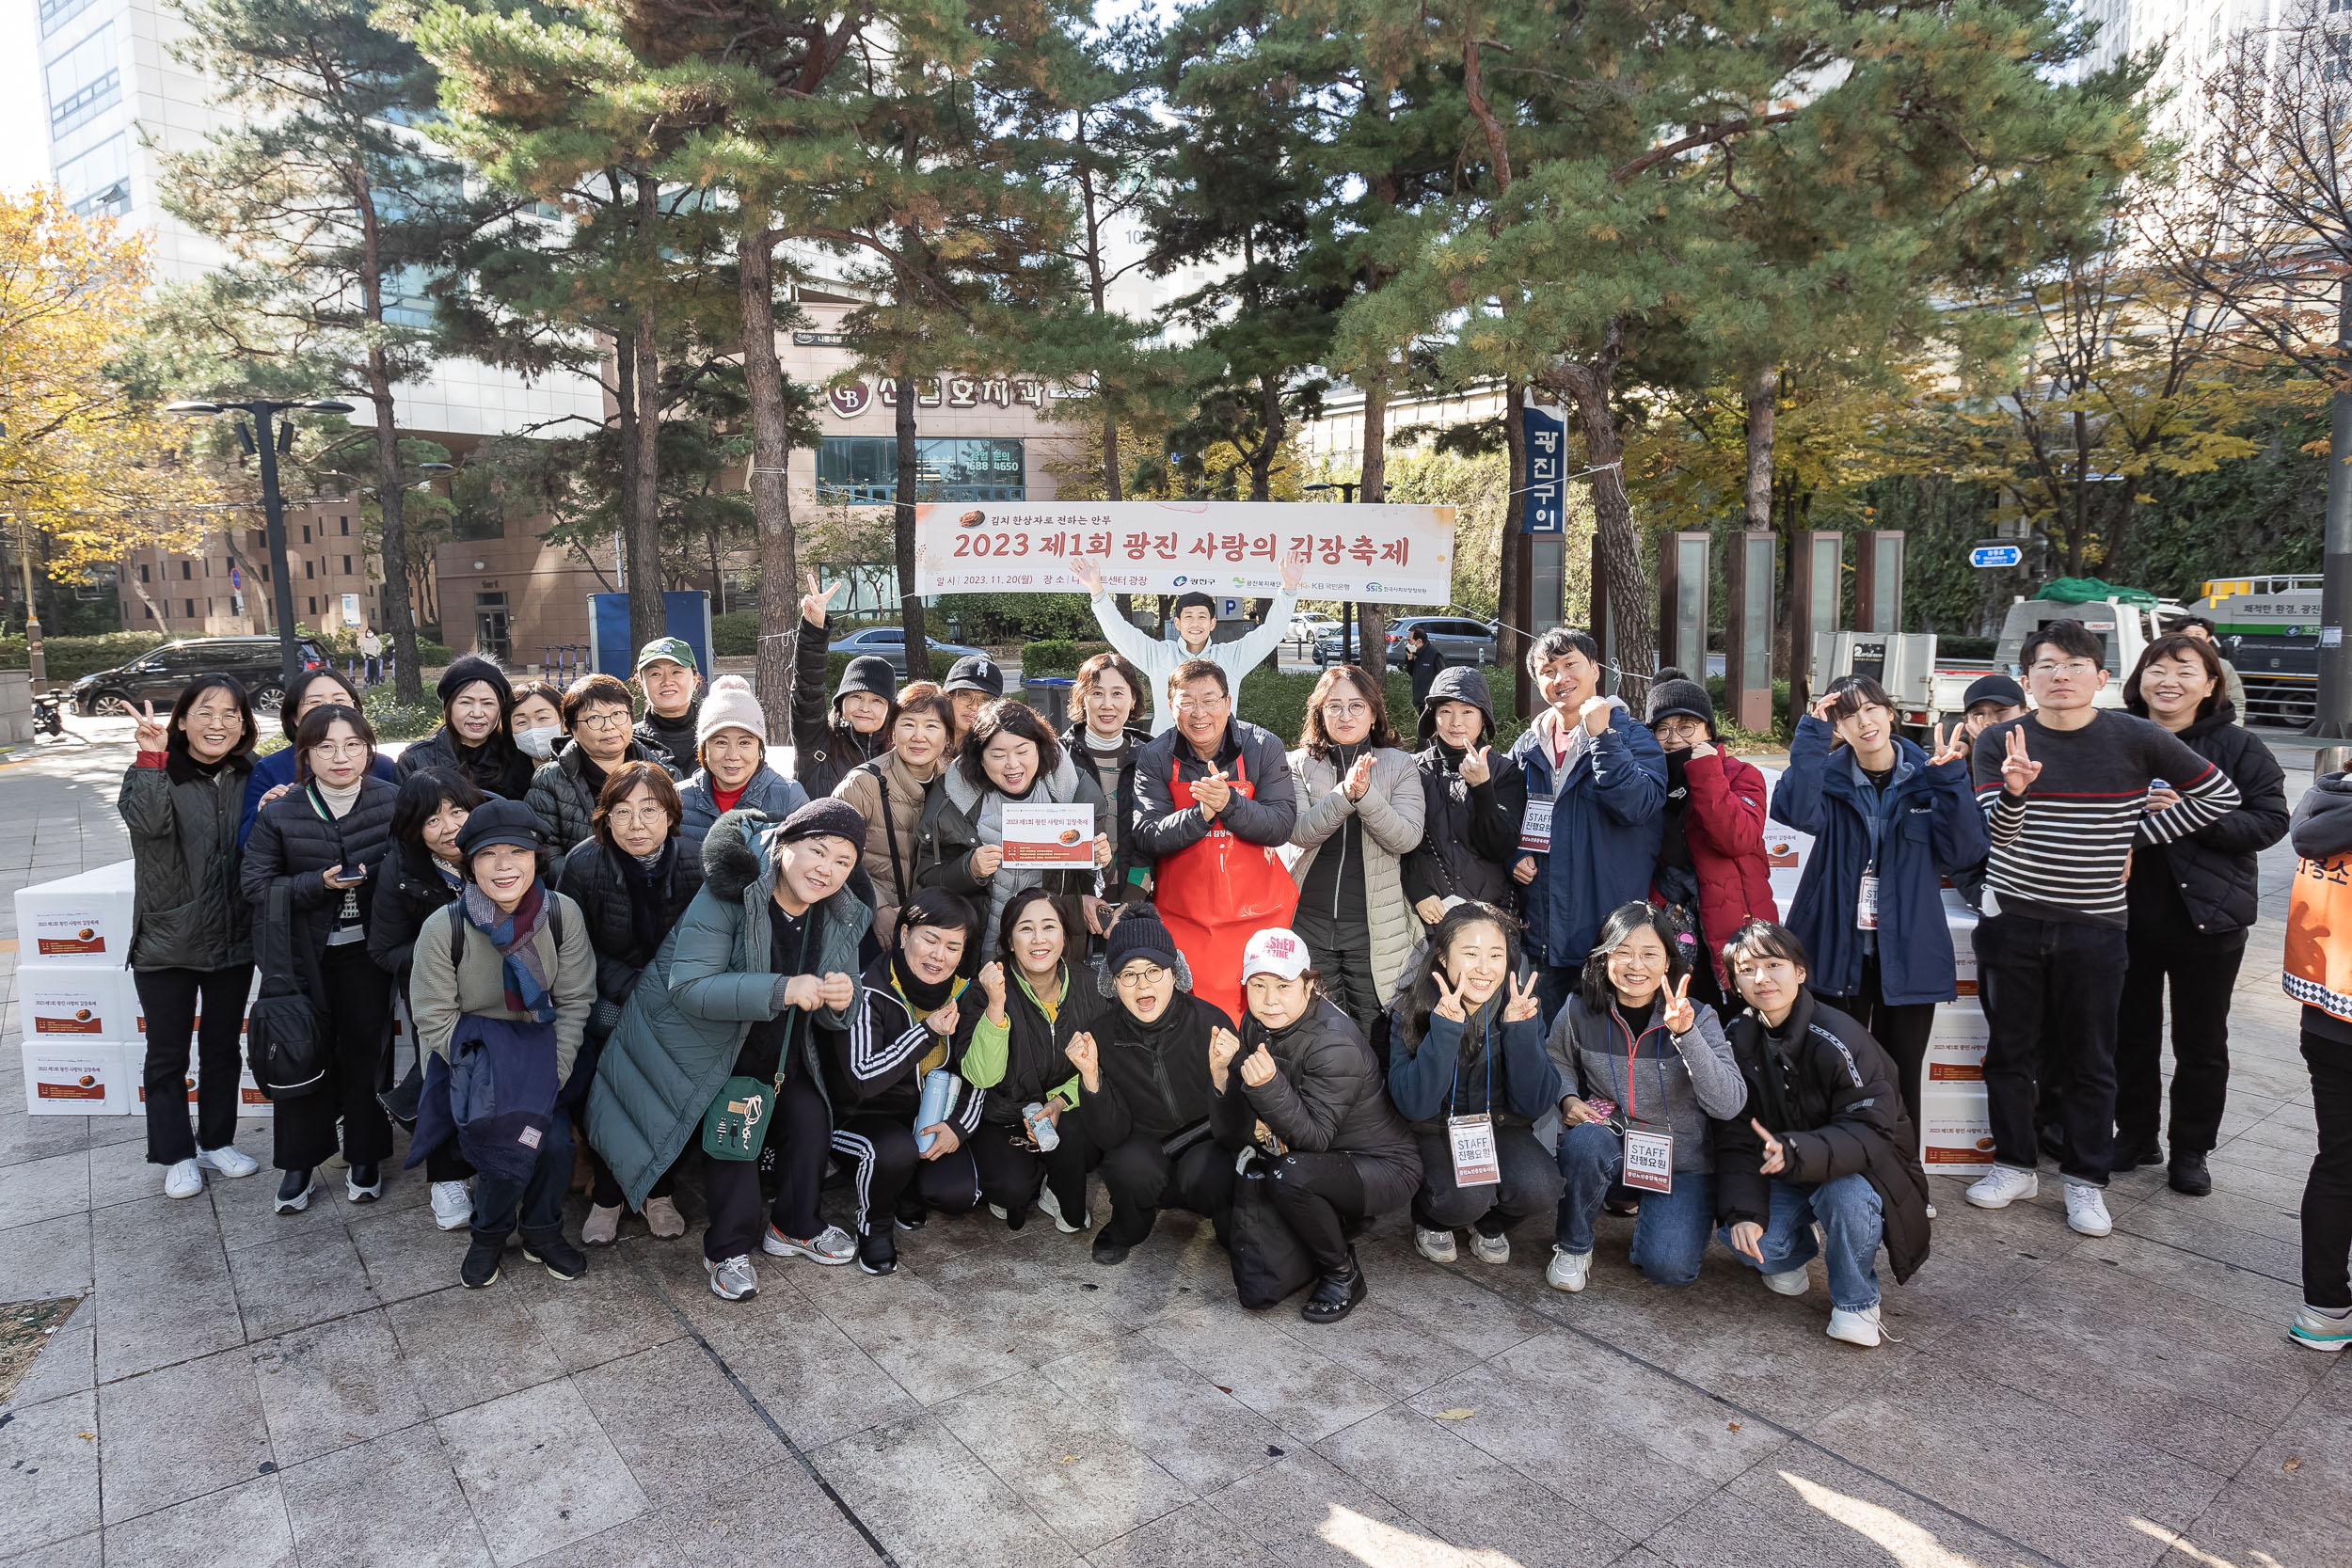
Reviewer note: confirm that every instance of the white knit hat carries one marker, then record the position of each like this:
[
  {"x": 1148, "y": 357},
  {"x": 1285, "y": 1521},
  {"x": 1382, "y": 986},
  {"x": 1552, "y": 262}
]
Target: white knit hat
[{"x": 729, "y": 705}]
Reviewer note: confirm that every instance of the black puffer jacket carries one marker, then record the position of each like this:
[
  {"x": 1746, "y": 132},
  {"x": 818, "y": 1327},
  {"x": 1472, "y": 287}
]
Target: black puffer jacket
[
  {"x": 1469, "y": 832},
  {"x": 559, "y": 795},
  {"x": 824, "y": 745},
  {"x": 1155, "y": 1081},
  {"x": 592, "y": 877},
  {"x": 296, "y": 841},
  {"x": 2214, "y": 866},
  {"x": 409, "y": 889},
  {"x": 1035, "y": 1060},
  {"x": 188, "y": 908},
  {"x": 1826, "y": 1090},
  {"x": 1326, "y": 1096},
  {"x": 495, "y": 767}
]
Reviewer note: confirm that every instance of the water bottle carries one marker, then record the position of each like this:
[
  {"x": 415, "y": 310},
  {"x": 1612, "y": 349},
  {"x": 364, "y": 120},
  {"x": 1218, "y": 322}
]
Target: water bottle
[
  {"x": 1042, "y": 1129},
  {"x": 939, "y": 1096}
]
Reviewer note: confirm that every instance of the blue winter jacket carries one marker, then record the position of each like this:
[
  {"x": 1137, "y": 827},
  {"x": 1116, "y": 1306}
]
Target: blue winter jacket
[
  {"x": 495, "y": 1092},
  {"x": 1605, "y": 831},
  {"x": 768, "y": 792},
  {"x": 1931, "y": 827}
]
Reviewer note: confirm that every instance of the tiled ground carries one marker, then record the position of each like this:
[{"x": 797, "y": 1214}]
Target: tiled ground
[{"x": 243, "y": 1389}]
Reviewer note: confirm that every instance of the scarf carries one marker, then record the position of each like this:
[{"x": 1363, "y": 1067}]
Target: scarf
[
  {"x": 924, "y": 999},
  {"x": 646, "y": 881},
  {"x": 183, "y": 768},
  {"x": 452, "y": 877},
  {"x": 515, "y": 937}
]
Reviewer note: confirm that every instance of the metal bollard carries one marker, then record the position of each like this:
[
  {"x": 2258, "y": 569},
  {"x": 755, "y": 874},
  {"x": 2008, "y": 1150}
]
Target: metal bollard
[{"x": 2330, "y": 759}]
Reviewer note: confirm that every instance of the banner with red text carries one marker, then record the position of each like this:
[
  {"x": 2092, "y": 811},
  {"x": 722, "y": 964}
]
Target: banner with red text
[{"x": 1389, "y": 554}]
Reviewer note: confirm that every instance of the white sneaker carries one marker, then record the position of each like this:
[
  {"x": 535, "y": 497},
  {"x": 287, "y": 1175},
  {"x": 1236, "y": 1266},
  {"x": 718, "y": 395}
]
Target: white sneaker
[
  {"x": 452, "y": 1204},
  {"x": 1435, "y": 1246},
  {"x": 1000, "y": 1211},
  {"x": 2087, "y": 1209},
  {"x": 2005, "y": 1186},
  {"x": 1491, "y": 1249},
  {"x": 1788, "y": 1282},
  {"x": 183, "y": 1179},
  {"x": 1568, "y": 1270},
  {"x": 229, "y": 1160},
  {"x": 1050, "y": 1205},
  {"x": 833, "y": 1245},
  {"x": 733, "y": 1278},
  {"x": 1856, "y": 1328}
]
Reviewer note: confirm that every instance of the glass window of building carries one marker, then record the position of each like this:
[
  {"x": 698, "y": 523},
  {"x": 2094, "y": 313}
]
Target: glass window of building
[
  {"x": 83, "y": 81},
  {"x": 56, "y": 14},
  {"x": 863, "y": 470}
]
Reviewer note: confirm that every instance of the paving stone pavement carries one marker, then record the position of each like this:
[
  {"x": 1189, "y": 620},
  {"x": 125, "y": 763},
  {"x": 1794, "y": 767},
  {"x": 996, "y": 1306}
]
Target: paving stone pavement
[{"x": 239, "y": 1389}]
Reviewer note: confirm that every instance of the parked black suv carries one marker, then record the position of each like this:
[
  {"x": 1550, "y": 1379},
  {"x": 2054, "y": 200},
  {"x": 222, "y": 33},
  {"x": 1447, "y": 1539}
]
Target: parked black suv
[{"x": 158, "y": 674}]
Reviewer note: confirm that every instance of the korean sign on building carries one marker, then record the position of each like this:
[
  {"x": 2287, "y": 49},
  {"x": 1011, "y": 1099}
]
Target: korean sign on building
[
  {"x": 1392, "y": 554},
  {"x": 852, "y": 398}
]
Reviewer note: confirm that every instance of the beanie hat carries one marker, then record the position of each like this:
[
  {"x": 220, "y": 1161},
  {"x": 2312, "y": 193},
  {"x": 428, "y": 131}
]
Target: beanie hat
[
  {"x": 867, "y": 673},
  {"x": 1276, "y": 950},
  {"x": 1138, "y": 934},
  {"x": 1672, "y": 693},
  {"x": 497, "y": 821},
  {"x": 976, "y": 673},
  {"x": 463, "y": 672},
  {"x": 729, "y": 705},
  {"x": 824, "y": 817}
]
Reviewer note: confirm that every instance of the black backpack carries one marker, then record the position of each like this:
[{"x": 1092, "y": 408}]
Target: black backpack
[{"x": 288, "y": 1059}]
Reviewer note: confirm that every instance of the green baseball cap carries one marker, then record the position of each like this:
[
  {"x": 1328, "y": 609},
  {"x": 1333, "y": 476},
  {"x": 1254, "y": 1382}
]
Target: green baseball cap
[{"x": 674, "y": 649}]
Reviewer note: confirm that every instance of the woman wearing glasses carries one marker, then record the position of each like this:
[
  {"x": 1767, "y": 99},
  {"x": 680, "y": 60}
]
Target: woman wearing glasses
[
  {"x": 318, "y": 846},
  {"x": 563, "y": 792},
  {"x": 1359, "y": 814}
]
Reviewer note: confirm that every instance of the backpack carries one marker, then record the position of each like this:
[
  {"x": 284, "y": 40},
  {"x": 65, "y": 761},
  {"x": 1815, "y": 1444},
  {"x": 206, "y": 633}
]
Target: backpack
[{"x": 288, "y": 1059}]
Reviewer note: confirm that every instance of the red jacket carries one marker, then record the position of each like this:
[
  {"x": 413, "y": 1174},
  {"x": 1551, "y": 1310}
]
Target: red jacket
[{"x": 1724, "y": 823}]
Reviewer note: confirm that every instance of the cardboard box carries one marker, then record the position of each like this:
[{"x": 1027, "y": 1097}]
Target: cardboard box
[
  {"x": 77, "y": 1078},
  {"x": 1962, "y": 922},
  {"x": 251, "y": 1100},
  {"x": 1955, "y": 1130},
  {"x": 1952, "y": 1061},
  {"x": 81, "y": 920},
  {"x": 62, "y": 1002},
  {"x": 1960, "y": 1023}
]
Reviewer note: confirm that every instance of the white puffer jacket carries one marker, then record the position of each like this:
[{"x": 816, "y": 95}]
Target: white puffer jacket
[{"x": 1391, "y": 810}]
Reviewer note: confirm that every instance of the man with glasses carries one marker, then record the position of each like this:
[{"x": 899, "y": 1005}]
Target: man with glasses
[
  {"x": 596, "y": 712},
  {"x": 2065, "y": 792},
  {"x": 1215, "y": 799},
  {"x": 1196, "y": 626}
]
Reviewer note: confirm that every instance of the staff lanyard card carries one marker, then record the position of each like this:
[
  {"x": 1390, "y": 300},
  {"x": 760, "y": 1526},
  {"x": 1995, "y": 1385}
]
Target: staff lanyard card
[
  {"x": 1865, "y": 903},
  {"x": 1649, "y": 1161},
  {"x": 1535, "y": 826},
  {"x": 1476, "y": 1164}
]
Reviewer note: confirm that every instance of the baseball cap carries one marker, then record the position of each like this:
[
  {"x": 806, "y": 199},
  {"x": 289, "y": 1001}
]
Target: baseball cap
[
  {"x": 675, "y": 649},
  {"x": 1993, "y": 689},
  {"x": 1276, "y": 950}
]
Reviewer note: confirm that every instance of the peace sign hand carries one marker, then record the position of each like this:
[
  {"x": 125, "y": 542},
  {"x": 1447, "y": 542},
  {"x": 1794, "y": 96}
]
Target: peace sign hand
[
  {"x": 1522, "y": 1003},
  {"x": 1775, "y": 1154},
  {"x": 1449, "y": 999},
  {"x": 1952, "y": 747},
  {"x": 1477, "y": 766},
  {"x": 1680, "y": 1015},
  {"x": 154, "y": 735},
  {"x": 2018, "y": 770},
  {"x": 817, "y": 601}
]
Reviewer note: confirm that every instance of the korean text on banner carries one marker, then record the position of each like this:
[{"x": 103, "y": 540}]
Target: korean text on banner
[
  {"x": 1050, "y": 837},
  {"x": 1547, "y": 506},
  {"x": 1391, "y": 553}
]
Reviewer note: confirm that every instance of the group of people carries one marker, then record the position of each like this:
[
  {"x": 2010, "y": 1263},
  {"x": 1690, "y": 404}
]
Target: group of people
[{"x": 1297, "y": 989}]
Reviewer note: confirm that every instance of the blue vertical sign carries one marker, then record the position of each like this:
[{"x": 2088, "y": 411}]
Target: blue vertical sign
[{"x": 1546, "y": 502}]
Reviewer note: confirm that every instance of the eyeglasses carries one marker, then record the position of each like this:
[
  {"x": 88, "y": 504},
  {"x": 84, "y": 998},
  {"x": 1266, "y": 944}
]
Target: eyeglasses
[
  {"x": 340, "y": 748},
  {"x": 1131, "y": 978},
  {"x": 604, "y": 719},
  {"x": 2063, "y": 667},
  {"x": 1347, "y": 710},
  {"x": 632, "y": 816},
  {"x": 1202, "y": 704}
]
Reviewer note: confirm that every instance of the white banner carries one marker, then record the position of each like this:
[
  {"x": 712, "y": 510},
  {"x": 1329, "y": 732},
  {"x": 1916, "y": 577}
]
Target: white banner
[{"x": 1389, "y": 554}]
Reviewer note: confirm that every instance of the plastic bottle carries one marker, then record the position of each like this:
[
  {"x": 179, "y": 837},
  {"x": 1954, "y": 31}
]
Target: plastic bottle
[
  {"x": 1042, "y": 1129},
  {"x": 939, "y": 1096}
]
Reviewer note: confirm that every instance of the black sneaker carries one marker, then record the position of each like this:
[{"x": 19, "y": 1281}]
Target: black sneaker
[
  {"x": 363, "y": 1183},
  {"x": 1336, "y": 1294},
  {"x": 1108, "y": 1253},
  {"x": 293, "y": 1191},
  {"x": 481, "y": 1266},
  {"x": 2187, "y": 1173},
  {"x": 877, "y": 1253},
  {"x": 2132, "y": 1155},
  {"x": 912, "y": 1216},
  {"x": 551, "y": 1252}
]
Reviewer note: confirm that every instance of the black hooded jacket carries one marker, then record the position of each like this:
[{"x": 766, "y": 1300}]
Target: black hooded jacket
[
  {"x": 824, "y": 745},
  {"x": 2214, "y": 868},
  {"x": 1471, "y": 833},
  {"x": 495, "y": 766},
  {"x": 409, "y": 888},
  {"x": 1826, "y": 1090}
]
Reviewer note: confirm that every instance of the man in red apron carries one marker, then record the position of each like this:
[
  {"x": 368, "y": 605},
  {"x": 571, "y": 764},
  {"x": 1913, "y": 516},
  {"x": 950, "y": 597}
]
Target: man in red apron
[{"x": 1213, "y": 799}]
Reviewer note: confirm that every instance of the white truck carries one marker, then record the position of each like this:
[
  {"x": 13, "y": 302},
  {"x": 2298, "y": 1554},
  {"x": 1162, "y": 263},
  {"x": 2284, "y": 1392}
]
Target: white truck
[{"x": 2125, "y": 629}]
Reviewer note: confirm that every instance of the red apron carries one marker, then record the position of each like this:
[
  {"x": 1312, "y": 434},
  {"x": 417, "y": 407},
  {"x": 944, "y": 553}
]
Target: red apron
[{"x": 1217, "y": 894}]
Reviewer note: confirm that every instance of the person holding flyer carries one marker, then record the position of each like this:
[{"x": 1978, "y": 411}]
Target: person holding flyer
[
  {"x": 1214, "y": 801},
  {"x": 1196, "y": 624},
  {"x": 1019, "y": 815},
  {"x": 1645, "y": 1068}
]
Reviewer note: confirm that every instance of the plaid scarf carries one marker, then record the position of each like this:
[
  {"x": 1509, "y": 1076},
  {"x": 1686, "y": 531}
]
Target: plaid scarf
[{"x": 516, "y": 938}]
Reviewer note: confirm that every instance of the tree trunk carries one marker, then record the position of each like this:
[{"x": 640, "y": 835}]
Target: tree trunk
[
  {"x": 1590, "y": 384},
  {"x": 1763, "y": 398},
  {"x": 910, "y": 605},
  {"x": 1374, "y": 474},
  {"x": 771, "y": 502},
  {"x": 1511, "y": 642},
  {"x": 408, "y": 681},
  {"x": 1270, "y": 444},
  {"x": 643, "y": 535}
]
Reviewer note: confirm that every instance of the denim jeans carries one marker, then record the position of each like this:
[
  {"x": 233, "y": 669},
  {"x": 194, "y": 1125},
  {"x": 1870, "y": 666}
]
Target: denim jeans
[
  {"x": 1851, "y": 1223},
  {"x": 539, "y": 1201},
  {"x": 1670, "y": 1235}
]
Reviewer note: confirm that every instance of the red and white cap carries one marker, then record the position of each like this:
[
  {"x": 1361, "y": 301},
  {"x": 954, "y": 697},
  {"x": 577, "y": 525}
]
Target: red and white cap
[{"x": 1276, "y": 950}]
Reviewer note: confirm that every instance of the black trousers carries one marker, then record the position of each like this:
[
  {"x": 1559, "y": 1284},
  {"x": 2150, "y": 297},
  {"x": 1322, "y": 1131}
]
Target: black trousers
[
  {"x": 996, "y": 1164},
  {"x": 1530, "y": 1184},
  {"x": 880, "y": 1151},
  {"x": 352, "y": 1025},
  {"x": 536, "y": 1202},
  {"x": 2064, "y": 979},
  {"x": 1142, "y": 1177},
  {"x": 607, "y": 1192},
  {"x": 2203, "y": 971},
  {"x": 1903, "y": 1029},
  {"x": 446, "y": 1165},
  {"x": 2328, "y": 1194},
  {"x": 1317, "y": 1194},
  {"x": 1344, "y": 955},
  {"x": 168, "y": 998}
]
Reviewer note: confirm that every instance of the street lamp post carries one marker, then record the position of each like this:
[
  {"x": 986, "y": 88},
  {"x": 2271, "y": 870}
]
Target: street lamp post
[
  {"x": 264, "y": 442},
  {"x": 1347, "y": 489}
]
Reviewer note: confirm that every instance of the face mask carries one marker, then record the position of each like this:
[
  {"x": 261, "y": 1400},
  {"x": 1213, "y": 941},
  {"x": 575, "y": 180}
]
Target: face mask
[{"x": 538, "y": 745}]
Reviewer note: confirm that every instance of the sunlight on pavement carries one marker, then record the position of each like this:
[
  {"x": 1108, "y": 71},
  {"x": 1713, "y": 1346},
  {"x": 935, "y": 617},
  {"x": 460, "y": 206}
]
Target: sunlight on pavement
[
  {"x": 1906, "y": 1542},
  {"x": 1383, "y": 1545}
]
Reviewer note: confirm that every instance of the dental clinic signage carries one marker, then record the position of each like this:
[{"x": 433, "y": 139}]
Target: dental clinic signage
[
  {"x": 1391, "y": 553},
  {"x": 852, "y": 398}
]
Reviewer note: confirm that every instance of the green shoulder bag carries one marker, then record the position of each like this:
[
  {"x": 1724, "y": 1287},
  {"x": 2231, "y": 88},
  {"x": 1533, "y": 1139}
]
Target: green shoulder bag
[{"x": 736, "y": 1125}]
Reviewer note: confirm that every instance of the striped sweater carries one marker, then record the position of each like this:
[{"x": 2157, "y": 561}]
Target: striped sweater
[{"x": 2059, "y": 851}]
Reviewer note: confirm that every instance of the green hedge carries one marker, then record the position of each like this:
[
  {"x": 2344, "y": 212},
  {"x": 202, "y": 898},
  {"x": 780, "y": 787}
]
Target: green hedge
[
  {"x": 1058, "y": 658},
  {"x": 69, "y": 658},
  {"x": 735, "y": 635}
]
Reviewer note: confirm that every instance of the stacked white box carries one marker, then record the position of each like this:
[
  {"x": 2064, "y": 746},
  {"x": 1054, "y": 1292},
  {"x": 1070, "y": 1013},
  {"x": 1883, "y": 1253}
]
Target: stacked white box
[
  {"x": 60, "y": 1003},
  {"x": 83, "y": 919},
  {"x": 1955, "y": 1130},
  {"x": 76, "y": 1005},
  {"x": 78, "y": 1078},
  {"x": 251, "y": 1102}
]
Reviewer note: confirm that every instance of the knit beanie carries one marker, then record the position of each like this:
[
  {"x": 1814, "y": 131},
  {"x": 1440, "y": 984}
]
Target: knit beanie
[
  {"x": 867, "y": 673},
  {"x": 1139, "y": 934},
  {"x": 463, "y": 672},
  {"x": 824, "y": 817},
  {"x": 729, "y": 705},
  {"x": 1673, "y": 693}
]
